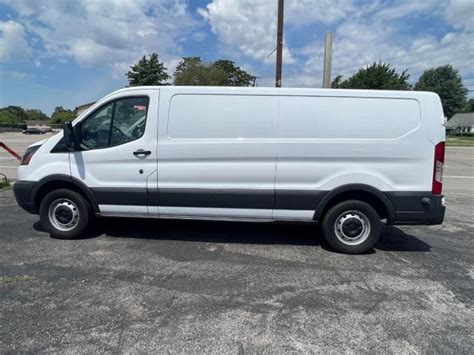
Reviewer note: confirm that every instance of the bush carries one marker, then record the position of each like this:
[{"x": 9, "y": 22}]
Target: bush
[{"x": 3, "y": 182}]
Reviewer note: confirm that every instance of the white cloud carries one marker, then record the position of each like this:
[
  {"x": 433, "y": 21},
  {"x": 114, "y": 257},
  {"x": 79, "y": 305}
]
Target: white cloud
[
  {"x": 460, "y": 14},
  {"x": 301, "y": 12},
  {"x": 19, "y": 75},
  {"x": 380, "y": 34},
  {"x": 406, "y": 8},
  {"x": 247, "y": 28},
  {"x": 113, "y": 33},
  {"x": 13, "y": 41}
]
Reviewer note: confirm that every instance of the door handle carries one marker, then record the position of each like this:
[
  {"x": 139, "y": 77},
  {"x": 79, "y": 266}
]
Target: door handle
[{"x": 141, "y": 152}]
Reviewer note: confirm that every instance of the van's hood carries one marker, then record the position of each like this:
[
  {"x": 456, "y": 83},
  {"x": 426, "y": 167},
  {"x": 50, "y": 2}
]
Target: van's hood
[{"x": 41, "y": 142}]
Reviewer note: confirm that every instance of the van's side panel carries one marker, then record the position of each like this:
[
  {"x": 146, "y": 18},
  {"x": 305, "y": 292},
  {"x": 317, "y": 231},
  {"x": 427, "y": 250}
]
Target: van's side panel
[
  {"x": 326, "y": 141},
  {"x": 216, "y": 150}
]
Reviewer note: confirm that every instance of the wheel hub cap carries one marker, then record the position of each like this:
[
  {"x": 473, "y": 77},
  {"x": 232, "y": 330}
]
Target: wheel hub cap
[
  {"x": 352, "y": 227},
  {"x": 63, "y": 214}
]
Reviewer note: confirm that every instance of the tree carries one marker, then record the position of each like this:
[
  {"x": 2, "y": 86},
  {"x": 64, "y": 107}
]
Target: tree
[
  {"x": 192, "y": 71},
  {"x": 378, "y": 76},
  {"x": 148, "y": 72},
  {"x": 235, "y": 75},
  {"x": 60, "y": 115},
  {"x": 470, "y": 104},
  {"x": 16, "y": 111},
  {"x": 12, "y": 115},
  {"x": 8, "y": 119},
  {"x": 36, "y": 115},
  {"x": 448, "y": 84}
]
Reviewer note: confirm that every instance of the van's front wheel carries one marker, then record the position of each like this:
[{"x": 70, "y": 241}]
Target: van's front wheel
[
  {"x": 65, "y": 214},
  {"x": 352, "y": 227}
]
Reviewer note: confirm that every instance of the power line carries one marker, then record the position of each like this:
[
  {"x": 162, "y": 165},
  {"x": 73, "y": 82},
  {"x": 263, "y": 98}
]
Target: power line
[
  {"x": 430, "y": 63},
  {"x": 347, "y": 69},
  {"x": 438, "y": 60},
  {"x": 401, "y": 56},
  {"x": 403, "y": 62},
  {"x": 414, "y": 54},
  {"x": 311, "y": 73}
]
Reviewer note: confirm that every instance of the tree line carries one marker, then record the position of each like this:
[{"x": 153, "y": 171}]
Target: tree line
[
  {"x": 190, "y": 71},
  {"x": 16, "y": 116}
]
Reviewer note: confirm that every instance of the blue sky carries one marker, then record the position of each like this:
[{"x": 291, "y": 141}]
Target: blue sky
[{"x": 67, "y": 52}]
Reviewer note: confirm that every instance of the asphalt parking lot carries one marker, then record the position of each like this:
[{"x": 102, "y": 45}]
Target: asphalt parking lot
[{"x": 169, "y": 286}]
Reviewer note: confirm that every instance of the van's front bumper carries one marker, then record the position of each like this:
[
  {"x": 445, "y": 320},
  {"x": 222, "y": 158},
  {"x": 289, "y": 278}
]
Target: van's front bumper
[
  {"x": 23, "y": 195},
  {"x": 417, "y": 208}
]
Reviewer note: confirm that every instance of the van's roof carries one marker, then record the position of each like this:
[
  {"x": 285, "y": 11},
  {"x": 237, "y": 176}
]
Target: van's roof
[{"x": 283, "y": 91}]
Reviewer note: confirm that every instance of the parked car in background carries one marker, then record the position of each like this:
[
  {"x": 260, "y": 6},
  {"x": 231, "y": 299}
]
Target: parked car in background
[
  {"x": 33, "y": 131},
  {"x": 346, "y": 159}
]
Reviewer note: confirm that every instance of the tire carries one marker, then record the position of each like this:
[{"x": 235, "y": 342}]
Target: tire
[
  {"x": 65, "y": 214},
  {"x": 352, "y": 227}
]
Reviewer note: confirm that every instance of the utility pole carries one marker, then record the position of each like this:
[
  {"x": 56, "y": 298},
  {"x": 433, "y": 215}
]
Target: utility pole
[
  {"x": 279, "y": 49},
  {"x": 327, "y": 59}
]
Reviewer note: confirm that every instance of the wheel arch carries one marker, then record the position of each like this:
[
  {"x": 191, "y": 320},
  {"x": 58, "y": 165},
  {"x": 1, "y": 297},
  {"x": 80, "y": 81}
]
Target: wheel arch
[
  {"x": 362, "y": 192},
  {"x": 57, "y": 181}
]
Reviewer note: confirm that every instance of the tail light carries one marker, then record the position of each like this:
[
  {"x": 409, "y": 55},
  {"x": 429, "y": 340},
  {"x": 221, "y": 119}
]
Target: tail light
[
  {"x": 25, "y": 160},
  {"x": 438, "y": 168}
]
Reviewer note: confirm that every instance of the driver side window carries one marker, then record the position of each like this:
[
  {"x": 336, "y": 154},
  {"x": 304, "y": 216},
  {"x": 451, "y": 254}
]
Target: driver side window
[
  {"x": 117, "y": 122},
  {"x": 95, "y": 130}
]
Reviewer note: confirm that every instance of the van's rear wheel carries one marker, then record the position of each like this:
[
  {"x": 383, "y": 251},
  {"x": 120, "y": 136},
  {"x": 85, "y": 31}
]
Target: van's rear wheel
[
  {"x": 65, "y": 214},
  {"x": 352, "y": 227}
]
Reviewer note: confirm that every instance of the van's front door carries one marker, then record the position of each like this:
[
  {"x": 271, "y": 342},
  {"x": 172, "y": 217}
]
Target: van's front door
[{"x": 117, "y": 155}]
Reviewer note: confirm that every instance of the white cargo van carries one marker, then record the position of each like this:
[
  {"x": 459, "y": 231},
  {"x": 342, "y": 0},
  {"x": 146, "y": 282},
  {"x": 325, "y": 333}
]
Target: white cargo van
[{"x": 344, "y": 158}]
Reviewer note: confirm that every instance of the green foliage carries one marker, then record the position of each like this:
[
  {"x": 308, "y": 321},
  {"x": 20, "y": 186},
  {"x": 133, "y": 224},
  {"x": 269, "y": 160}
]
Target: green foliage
[
  {"x": 447, "y": 83},
  {"x": 61, "y": 115},
  {"x": 4, "y": 184},
  {"x": 8, "y": 119},
  {"x": 148, "y": 72},
  {"x": 192, "y": 71},
  {"x": 17, "y": 111},
  {"x": 234, "y": 75},
  {"x": 18, "y": 278},
  {"x": 12, "y": 115},
  {"x": 378, "y": 76},
  {"x": 15, "y": 115},
  {"x": 36, "y": 115},
  {"x": 469, "y": 105}
]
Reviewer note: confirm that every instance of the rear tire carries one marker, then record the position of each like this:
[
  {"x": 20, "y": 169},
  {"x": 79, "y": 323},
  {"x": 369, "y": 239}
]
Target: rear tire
[
  {"x": 65, "y": 214},
  {"x": 352, "y": 227}
]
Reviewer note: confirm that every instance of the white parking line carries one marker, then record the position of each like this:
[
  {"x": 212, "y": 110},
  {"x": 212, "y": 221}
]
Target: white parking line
[{"x": 459, "y": 177}]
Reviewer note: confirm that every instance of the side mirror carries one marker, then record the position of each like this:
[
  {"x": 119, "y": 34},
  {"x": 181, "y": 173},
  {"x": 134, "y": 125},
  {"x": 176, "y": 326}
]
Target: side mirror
[{"x": 69, "y": 136}]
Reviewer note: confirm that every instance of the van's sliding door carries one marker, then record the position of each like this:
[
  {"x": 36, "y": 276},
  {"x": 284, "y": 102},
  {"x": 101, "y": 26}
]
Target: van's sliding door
[{"x": 216, "y": 154}]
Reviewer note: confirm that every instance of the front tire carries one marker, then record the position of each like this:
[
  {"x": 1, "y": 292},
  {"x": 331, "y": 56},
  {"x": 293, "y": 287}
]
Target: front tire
[
  {"x": 65, "y": 214},
  {"x": 352, "y": 227}
]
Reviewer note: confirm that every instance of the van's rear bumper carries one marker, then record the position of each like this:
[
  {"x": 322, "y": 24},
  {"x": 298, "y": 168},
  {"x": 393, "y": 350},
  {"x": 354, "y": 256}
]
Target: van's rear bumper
[
  {"x": 22, "y": 190},
  {"x": 417, "y": 208}
]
